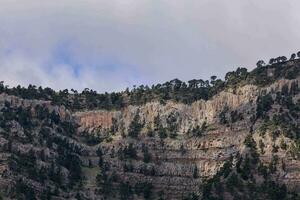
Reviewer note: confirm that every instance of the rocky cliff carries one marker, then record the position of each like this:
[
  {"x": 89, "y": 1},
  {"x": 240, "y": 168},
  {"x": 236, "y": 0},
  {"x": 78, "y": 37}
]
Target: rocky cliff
[
  {"x": 181, "y": 162},
  {"x": 242, "y": 139}
]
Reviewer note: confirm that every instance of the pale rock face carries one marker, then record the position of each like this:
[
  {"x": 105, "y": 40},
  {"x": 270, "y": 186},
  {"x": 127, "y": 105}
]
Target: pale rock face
[
  {"x": 187, "y": 115},
  {"x": 288, "y": 168},
  {"x": 96, "y": 119},
  {"x": 174, "y": 161},
  {"x": 16, "y": 101},
  {"x": 25, "y": 103}
]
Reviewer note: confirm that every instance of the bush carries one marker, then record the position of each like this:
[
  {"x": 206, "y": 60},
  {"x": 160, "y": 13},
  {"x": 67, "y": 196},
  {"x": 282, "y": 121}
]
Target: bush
[
  {"x": 232, "y": 181},
  {"x": 249, "y": 142},
  {"x": 147, "y": 155},
  {"x": 223, "y": 115},
  {"x": 195, "y": 172},
  {"x": 125, "y": 191},
  {"x": 129, "y": 152},
  {"x": 145, "y": 188},
  {"x": 135, "y": 127},
  {"x": 264, "y": 104}
]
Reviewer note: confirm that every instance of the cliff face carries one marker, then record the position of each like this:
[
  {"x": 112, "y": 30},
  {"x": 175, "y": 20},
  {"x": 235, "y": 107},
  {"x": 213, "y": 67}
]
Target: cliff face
[
  {"x": 39, "y": 155},
  {"x": 187, "y": 116},
  {"x": 152, "y": 151},
  {"x": 180, "y": 162}
]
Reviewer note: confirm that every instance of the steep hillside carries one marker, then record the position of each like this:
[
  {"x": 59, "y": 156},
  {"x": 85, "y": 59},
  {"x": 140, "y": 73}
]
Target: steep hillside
[{"x": 232, "y": 139}]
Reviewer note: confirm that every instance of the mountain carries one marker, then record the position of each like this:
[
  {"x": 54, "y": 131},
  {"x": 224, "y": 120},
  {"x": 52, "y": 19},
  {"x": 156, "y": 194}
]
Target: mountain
[{"x": 237, "y": 138}]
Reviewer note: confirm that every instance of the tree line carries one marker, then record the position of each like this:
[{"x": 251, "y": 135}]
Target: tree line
[
  {"x": 176, "y": 90},
  {"x": 279, "y": 59}
]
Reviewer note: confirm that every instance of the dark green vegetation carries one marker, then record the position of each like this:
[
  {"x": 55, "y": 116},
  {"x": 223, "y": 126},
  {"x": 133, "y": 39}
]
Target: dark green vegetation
[
  {"x": 29, "y": 132},
  {"x": 44, "y": 149},
  {"x": 239, "y": 180},
  {"x": 176, "y": 90},
  {"x": 249, "y": 178}
]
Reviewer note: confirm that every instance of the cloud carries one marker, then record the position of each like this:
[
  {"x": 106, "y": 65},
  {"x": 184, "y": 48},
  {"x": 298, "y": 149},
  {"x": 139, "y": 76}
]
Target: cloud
[{"x": 111, "y": 45}]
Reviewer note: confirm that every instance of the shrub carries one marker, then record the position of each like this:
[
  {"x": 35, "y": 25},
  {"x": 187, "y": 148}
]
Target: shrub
[
  {"x": 264, "y": 104},
  {"x": 135, "y": 127}
]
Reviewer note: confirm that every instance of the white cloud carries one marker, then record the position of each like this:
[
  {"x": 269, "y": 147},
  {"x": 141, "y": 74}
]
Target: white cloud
[{"x": 119, "y": 43}]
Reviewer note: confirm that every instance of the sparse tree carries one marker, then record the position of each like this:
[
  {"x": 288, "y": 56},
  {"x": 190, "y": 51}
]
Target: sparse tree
[
  {"x": 293, "y": 56},
  {"x": 283, "y": 58},
  {"x": 135, "y": 127},
  {"x": 272, "y": 60},
  {"x": 213, "y": 79},
  {"x": 260, "y": 63},
  {"x": 195, "y": 172}
]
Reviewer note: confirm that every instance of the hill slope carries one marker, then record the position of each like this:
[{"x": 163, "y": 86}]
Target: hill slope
[{"x": 237, "y": 138}]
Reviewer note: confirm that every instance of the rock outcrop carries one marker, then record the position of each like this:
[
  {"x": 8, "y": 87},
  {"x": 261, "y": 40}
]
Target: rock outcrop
[{"x": 151, "y": 151}]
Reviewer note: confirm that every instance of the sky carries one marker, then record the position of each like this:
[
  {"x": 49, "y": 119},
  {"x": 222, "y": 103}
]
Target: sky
[{"x": 109, "y": 45}]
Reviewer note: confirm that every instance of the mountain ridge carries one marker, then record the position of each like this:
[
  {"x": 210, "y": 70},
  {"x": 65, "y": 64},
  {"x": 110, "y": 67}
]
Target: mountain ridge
[
  {"x": 179, "y": 91},
  {"x": 241, "y": 143}
]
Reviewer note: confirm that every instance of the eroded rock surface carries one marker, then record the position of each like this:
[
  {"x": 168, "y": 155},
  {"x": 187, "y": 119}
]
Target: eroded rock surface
[{"x": 119, "y": 150}]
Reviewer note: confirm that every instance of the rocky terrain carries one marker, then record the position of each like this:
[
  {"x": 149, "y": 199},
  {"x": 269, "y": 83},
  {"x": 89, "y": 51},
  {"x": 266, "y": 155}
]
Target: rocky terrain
[{"x": 242, "y": 143}]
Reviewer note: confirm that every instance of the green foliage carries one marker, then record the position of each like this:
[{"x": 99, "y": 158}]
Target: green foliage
[
  {"x": 172, "y": 125},
  {"x": 104, "y": 182},
  {"x": 295, "y": 149},
  {"x": 260, "y": 63},
  {"x": 147, "y": 155},
  {"x": 235, "y": 116},
  {"x": 245, "y": 169},
  {"x": 148, "y": 170},
  {"x": 128, "y": 167},
  {"x": 144, "y": 188},
  {"x": 150, "y": 132},
  {"x": 42, "y": 129},
  {"x": 223, "y": 115},
  {"x": 244, "y": 183},
  {"x": 23, "y": 191},
  {"x": 125, "y": 191},
  {"x": 280, "y": 124},
  {"x": 249, "y": 142},
  {"x": 158, "y": 128},
  {"x": 273, "y": 164},
  {"x": 162, "y": 132},
  {"x": 283, "y": 145},
  {"x": 92, "y": 139},
  {"x": 274, "y": 190},
  {"x": 176, "y": 90},
  {"x": 195, "y": 172},
  {"x": 74, "y": 166},
  {"x": 198, "y": 131},
  {"x": 54, "y": 117},
  {"x": 129, "y": 152},
  {"x": 210, "y": 184},
  {"x": 233, "y": 181},
  {"x": 182, "y": 149},
  {"x": 192, "y": 196},
  {"x": 25, "y": 164},
  {"x": 135, "y": 127},
  {"x": 264, "y": 104},
  {"x": 68, "y": 128},
  {"x": 261, "y": 146}
]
